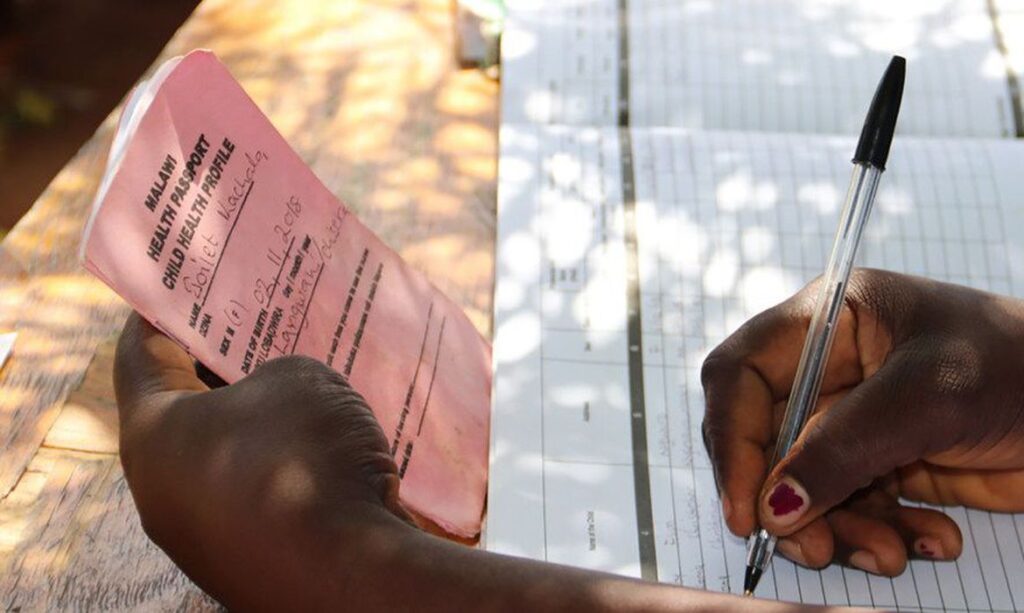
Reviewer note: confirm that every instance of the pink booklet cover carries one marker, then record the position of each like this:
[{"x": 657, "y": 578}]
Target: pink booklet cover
[{"x": 214, "y": 229}]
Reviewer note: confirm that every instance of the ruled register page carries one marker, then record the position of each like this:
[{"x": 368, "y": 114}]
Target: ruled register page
[{"x": 627, "y": 250}]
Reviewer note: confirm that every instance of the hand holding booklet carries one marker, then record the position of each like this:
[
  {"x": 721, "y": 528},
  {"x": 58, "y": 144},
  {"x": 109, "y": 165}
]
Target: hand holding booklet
[{"x": 214, "y": 230}]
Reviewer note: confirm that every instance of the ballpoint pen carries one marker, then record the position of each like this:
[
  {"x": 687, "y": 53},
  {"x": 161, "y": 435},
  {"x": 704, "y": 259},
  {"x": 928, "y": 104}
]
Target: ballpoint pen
[{"x": 868, "y": 163}]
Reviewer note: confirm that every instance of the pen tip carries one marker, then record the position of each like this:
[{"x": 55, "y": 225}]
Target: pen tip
[
  {"x": 880, "y": 123},
  {"x": 750, "y": 579}
]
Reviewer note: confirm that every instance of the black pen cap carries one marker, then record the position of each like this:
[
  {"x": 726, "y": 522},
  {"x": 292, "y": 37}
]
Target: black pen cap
[{"x": 879, "y": 125}]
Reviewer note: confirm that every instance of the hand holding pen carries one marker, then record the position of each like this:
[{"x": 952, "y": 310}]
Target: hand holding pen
[
  {"x": 868, "y": 164},
  {"x": 921, "y": 399}
]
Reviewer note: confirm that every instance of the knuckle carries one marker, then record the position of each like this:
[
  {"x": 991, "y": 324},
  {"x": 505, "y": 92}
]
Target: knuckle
[
  {"x": 874, "y": 280},
  {"x": 893, "y": 298},
  {"x": 723, "y": 365},
  {"x": 707, "y": 435},
  {"x": 944, "y": 370},
  {"x": 956, "y": 369},
  {"x": 305, "y": 374},
  {"x": 714, "y": 428},
  {"x": 714, "y": 444},
  {"x": 715, "y": 367},
  {"x": 298, "y": 365},
  {"x": 344, "y": 413},
  {"x": 717, "y": 378},
  {"x": 322, "y": 402},
  {"x": 868, "y": 277}
]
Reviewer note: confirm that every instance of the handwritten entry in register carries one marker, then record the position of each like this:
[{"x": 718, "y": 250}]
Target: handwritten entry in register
[{"x": 214, "y": 229}]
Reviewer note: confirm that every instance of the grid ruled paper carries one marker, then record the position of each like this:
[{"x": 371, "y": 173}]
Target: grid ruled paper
[
  {"x": 727, "y": 224},
  {"x": 781, "y": 66}
]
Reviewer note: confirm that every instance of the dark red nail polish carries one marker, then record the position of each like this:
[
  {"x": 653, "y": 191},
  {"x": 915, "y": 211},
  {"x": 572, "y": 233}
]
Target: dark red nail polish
[
  {"x": 928, "y": 547},
  {"x": 784, "y": 499}
]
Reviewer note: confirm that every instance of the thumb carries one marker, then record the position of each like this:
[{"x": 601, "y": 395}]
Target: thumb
[
  {"x": 150, "y": 371},
  {"x": 865, "y": 435}
]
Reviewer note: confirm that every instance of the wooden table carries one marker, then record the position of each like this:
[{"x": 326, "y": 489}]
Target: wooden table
[{"x": 367, "y": 93}]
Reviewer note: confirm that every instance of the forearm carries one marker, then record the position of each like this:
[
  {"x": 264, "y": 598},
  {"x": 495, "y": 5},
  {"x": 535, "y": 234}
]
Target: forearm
[{"x": 391, "y": 566}]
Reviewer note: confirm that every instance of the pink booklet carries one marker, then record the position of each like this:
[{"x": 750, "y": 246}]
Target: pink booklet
[{"x": 212, "y": 228}]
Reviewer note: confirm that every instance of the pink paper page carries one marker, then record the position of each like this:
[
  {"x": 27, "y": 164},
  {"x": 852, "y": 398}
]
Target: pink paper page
[{"x": 215, "y": 230}]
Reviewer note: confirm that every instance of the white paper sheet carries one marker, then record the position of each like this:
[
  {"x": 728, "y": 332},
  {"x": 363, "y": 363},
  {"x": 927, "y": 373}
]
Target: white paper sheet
[
  {"x": 727, "y": 224},
  {"x": 690, "y": 185},
  {"x": 786, "y": 65}
]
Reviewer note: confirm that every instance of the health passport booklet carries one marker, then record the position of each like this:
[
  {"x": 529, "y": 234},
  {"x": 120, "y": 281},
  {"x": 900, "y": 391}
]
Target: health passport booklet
[{"x": 213, "y": 229}]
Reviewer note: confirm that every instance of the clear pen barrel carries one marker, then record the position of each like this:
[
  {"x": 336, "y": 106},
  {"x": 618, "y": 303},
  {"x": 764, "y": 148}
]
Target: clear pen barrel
[
  {"x": 828, "y": 305},
  {"x": 760, "y": 549}
]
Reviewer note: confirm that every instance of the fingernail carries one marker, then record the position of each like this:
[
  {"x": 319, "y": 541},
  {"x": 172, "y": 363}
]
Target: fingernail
[
  {"x": 792, "y": 550},
  {"x": 726, "y": 508},
  {"x": 864, "y": 561},
  {"x": 787, "y": 502},
  {"x": 929, "y": 547}
]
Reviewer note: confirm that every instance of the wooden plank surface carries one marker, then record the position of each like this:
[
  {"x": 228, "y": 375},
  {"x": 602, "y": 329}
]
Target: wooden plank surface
[{"x": 367, "y": 93}]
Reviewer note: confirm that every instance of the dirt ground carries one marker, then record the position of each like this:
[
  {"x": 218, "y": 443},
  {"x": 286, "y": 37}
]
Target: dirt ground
[{"x": 64, "y": 64}]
